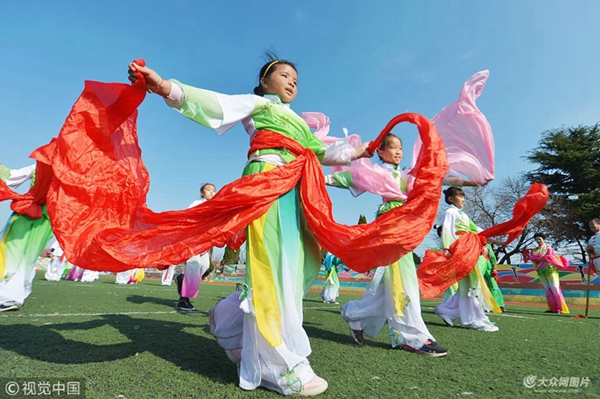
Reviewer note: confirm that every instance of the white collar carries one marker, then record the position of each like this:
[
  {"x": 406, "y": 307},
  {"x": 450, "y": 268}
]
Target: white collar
[
  {"x": 275, "y": 98},
  {"x": 392, "y": 167}
]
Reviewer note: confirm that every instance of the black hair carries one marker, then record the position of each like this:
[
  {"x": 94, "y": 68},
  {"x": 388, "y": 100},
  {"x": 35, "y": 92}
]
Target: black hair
[
  {"x": 202, "y": 187},
  {"x": 273, "y": 61},
  {"x": 452, "y": 192},
  {"x": 438, "y": 229},
  {"x": 541, "y": 235},
  {"x": 386, "y": 141}
]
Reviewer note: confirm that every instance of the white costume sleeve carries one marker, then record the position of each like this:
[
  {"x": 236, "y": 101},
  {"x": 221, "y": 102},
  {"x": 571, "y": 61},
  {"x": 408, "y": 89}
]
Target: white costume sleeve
[
  {"x": 217, "y": 111},
  {"x": 339, "y": 152},
  {"x": 449, "y": 228},
  {"x": 221, "y": 112},
  {"x": 454, "y": 181},
  {"x": 20, "y": 176},
  {"x": 595, "y": 242},
  {"x": 196, "y": 202}
]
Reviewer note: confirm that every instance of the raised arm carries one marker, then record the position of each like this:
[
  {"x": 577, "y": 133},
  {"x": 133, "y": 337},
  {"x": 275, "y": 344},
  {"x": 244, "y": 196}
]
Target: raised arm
[
  {"x": 16, "y": 177},
  {"x": 154, "y": 82}
]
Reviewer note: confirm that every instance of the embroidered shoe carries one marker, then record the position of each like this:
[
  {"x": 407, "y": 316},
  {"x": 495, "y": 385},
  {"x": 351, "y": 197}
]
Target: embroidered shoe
[
  {"x": 5, "y": 307},
  {"x": 357, "y": 336},
  {"x": 429, "y": 349}
]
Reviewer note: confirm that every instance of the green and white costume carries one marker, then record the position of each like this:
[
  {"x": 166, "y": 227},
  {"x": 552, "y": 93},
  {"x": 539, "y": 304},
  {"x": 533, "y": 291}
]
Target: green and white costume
[
  {"x": 283, "y": 257},
  {"x": 393, "y": 294},
  {"x": 467, "y": 305},
  {"x": 23, "y": 239}
]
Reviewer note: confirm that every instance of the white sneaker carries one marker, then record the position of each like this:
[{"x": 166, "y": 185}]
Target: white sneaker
[
  {"x": 5, "y": 307},
  {"x": 447, "y": 319},
  {"x": 315, "y": 387},
  {"x": 485, "y": 327}
]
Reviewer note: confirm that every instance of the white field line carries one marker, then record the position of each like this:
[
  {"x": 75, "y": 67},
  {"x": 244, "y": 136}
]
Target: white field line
[
  {"x": 12, "y": 314},
  {"x": 501, "y": 315},
  {"x": 132, "y": 287},
  {"x": 320, "y": 307},
  {"x": 571, "y": 321},
  {"x": 516, "y": 316}
]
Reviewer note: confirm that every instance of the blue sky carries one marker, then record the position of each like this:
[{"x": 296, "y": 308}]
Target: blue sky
[{"x": 359, "y": 62}]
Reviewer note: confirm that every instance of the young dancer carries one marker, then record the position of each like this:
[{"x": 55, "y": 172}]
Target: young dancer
[
  {"x": 593, "y": 247},
  {"x": 189, "y": 274},
  {"x": 75, "y": 273},
  {"x": 132, "y": 276},
  {"x": 283, "y": 257},
  {"x": 22, "y": 239},
  {"x": 55, "y": 270},
  {"x": 393, "y": 294},
  {"x": 122, "y": 278},
  {"x": 331, "y": 285},
  {"x": 167, "y": 276},
  {"x": 468, "y": 303},
  {"x": 546, "y": 263},
  {"x": 89, "y": 276}
]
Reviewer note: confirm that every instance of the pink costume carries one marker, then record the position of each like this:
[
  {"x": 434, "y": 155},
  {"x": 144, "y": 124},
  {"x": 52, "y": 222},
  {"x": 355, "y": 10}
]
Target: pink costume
[{"x": 546, "y": 263}]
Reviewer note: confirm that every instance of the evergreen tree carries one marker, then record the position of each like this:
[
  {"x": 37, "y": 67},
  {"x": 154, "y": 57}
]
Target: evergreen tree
[
  {"x": 230, "y": 257},
  {"x": 569, "y": 164}
]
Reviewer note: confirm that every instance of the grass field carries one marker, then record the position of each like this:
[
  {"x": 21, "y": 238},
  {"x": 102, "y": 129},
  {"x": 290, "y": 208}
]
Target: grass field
[{"x": 129, "y": 342}]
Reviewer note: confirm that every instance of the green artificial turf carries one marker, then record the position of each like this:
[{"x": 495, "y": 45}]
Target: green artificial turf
[{"x": 129, "y": 342}]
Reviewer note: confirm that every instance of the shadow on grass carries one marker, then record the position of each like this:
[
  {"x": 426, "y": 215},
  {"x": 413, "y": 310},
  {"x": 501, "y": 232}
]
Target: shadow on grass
[
  {"x": 315, "y": 332},
  {"x": 140, "y": 299},
  {"x": 335, "y": 310},
  {"x": 164, "y": 339},
  {"x": 313, "y": 300}
]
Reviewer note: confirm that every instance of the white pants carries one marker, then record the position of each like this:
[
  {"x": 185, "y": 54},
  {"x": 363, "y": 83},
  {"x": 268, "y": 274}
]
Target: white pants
[
  {"x": 235, "y": 329},
  {"x": 55, "y": 269},
  {"x": 123, "y": 277},
  {"x": 18, "y": 287},
  {"x": 89, "y": 276},
  {"x": 378, "y": 306},
  {"x": 195, "y": 267},
  {"x": 467, "y": 304}
]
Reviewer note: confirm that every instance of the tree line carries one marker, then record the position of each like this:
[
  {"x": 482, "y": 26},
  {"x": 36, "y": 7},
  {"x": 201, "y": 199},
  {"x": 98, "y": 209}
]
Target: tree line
[{"x": 567, "y": 161}]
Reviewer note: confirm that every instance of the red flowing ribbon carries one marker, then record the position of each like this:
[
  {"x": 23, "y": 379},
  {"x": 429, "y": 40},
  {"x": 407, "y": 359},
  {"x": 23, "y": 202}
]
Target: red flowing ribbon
[
  {"x": 376, "y": 144},
  {"x": 97, "y": 198}
]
